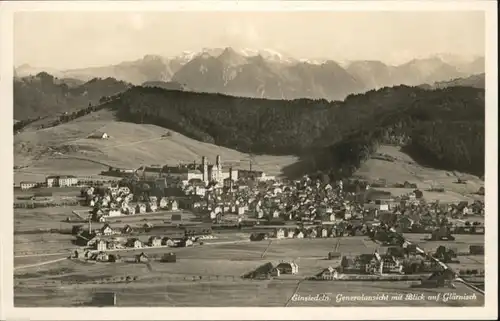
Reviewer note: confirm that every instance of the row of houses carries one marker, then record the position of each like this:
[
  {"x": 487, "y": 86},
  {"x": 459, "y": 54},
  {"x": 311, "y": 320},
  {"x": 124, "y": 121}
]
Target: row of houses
[
  {"x": 51, "y": 181},
  {"x": 116, "y": 201},
  {"x": 103, "y": 256},
  {"x": 105, "y": 244},
  {"x": 322, "y": 231},
  {"x": 269, "y": 270},
  {"x": 173, "y": 232}
]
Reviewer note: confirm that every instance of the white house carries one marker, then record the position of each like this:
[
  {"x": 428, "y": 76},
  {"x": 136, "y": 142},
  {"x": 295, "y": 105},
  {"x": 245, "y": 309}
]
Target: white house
[
  {"x": 140, "y": 208},
  {"x": 174, "y": 206},
  {"x": 106, "y": 230},
  {"x": 28, "y": 185},
  {"x": 299, "y": 235},
  {"x": 114, "y": 212},
  {"x": 279, "y": 233},
  {"x": 99, "y": 135},
  {"x": 101, "y": 245},
  {"x": 163, "y": 202}
]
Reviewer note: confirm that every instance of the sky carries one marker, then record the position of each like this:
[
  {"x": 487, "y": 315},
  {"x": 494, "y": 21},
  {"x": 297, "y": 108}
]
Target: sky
[{"x": 64, "y": 40}]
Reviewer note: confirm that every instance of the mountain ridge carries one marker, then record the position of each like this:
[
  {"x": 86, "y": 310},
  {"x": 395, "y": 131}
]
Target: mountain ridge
[{"x": 270, "y": 74}]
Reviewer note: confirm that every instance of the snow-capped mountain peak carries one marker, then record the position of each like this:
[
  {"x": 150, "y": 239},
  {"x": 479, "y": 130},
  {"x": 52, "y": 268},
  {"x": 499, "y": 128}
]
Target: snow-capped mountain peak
[
  {"x": 267, "y": 54},
  {"x": 313, "y": 61}
]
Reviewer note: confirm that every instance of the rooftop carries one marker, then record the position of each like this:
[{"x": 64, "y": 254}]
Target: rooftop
[{"x": 60, "y": 176}]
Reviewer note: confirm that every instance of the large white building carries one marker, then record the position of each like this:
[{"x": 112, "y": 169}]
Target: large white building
[
  {"x": 61, "y": 181},
  {"x": 205, "y": 172}
]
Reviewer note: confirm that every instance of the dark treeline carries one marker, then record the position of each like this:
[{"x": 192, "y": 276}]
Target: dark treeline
[
  {"x": 23, "y": 123},
  {"x": 458, "y": 145},
  {"x": 445, "y": 125}
]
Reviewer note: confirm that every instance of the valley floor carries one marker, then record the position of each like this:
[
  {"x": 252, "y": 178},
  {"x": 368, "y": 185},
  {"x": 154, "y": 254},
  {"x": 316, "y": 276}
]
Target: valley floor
[{"x": 211, "y": 276}]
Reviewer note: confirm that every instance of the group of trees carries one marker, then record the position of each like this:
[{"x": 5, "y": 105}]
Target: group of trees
[
  {"x": 446, "y": 125},
  {"x": 443, "y": 127},
  {"x": 23, "y": 123}
]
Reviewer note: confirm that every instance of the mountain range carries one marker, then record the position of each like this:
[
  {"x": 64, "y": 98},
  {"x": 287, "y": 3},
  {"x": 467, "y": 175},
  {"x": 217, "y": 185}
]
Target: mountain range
[
  {"x": 271, "y": 74},
  {"x": 476, "y": 81},
  {"x": 45, "y": 95}
]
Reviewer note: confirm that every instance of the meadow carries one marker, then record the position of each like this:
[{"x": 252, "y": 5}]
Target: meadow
[{"x": 210, "y": 275}]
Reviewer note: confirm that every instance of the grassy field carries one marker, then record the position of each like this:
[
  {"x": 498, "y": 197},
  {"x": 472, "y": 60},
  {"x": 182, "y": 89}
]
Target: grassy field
[
  {"x": 404, "y": 169},
  {"x": 45, "y": 217},
  {"x": 26, "y": 220},
  {"x": 345, "y": 289},
  {"x": 207, "y": 275},
  {"x": 461, "y": 242},
  {"x": 69, "y": 194},
  {"x": 39, "y": 169},
  {"x": 130, "y": 146},
  {"x": 274, "y": 293}
]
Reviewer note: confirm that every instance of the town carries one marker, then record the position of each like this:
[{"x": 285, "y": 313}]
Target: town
[{"x": 150, "y": 214}]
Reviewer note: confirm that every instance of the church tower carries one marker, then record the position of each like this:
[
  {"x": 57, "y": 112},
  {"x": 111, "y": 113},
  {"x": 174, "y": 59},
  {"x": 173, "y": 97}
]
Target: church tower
[
  {"x": 218, "y": 166},
  {"x": 205, "y": 169}
]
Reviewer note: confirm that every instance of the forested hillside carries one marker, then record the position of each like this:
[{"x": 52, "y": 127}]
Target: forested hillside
[{"x": 445, "y": 125}]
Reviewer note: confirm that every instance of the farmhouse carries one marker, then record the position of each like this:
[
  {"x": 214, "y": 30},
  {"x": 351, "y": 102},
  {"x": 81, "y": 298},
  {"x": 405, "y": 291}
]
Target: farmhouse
[
  {"x": 154, "y": 241},
  {"x": 135, "y": 243},
  {"x": 173, "y": 206},
  {"x": 275, "y": 272},
  {"x": 185, "y": 242},
  {"x": 106, "y": 230},
  {"x": 328, "y": 274},
  {"x": 279, "y": 233},
  {"x": 169, "y": 257},
  {"x": 298, "y": 234},
  {"x": 163, "y": 202},
  {"x": 113, "y": 244},
  {"x": 259, "y": 236},
  {"x": 142, "y": 258},
  {"x": 99, "y": 135},
  {"x": 151, "y": 207},
  {"x": 127, "y": 229},
  {"x": 114, "y": 212},
  {"x": 288, "y": 268},
  {"x": 101, "y": 257},
  {"x": 167, "y": 241},
  {"x": 140, "y": 208}
]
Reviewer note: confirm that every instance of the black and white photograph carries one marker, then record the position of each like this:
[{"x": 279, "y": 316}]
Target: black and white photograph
[{"x": 236, "y": 156}]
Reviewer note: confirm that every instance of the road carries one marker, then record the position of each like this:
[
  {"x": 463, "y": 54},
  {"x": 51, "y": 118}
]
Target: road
[
  {"x": 39, "y": 264},
  {"x": 294, "y": 293},
  {"x": 44, "y": 254},
  {"x": 267, "y": 248},
  {"x": 460, "y": 280}
]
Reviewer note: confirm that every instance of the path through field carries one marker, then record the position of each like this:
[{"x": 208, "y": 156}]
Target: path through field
[
  {"x": 40, "y": 254},
  {"x": 294, "y": 293},
  {"x": 39, "y": 264}
]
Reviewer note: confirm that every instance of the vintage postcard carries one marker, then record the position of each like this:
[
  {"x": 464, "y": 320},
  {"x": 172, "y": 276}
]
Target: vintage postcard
[{"x": 227, "y": 157}]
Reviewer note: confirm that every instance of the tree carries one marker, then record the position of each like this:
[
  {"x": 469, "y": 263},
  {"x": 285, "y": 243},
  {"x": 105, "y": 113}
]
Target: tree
[{"x": 145, "y": 190}]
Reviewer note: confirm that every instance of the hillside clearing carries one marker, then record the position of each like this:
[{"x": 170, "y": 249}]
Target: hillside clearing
[
  {"x": 66, "y": 149},
  {"x": 404, "y": 168},
  {"x": 130, "y": 145}
]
